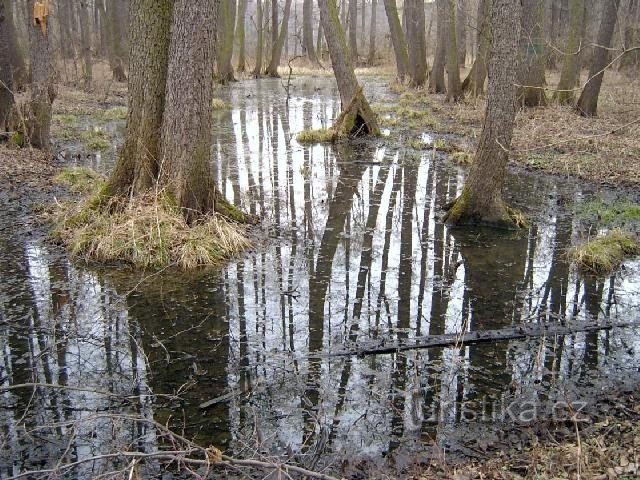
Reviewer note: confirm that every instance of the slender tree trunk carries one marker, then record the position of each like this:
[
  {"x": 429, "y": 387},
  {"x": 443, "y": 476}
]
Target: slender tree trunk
[
  {"x": 474, "y": 82},
  {"x": 257, "y": 70},
  {"x": 461, "y": 31},
  {"x": 186, "y": 126},
  {"x": 85, "y": 40},
  {"x": 225, "y": 36},
  {"x": 363, "y": 24},
  {"x": 42, "y": 91},
  {"x": 454, "y": 88},
  {"x": 7, "y": 100},
  {"x": 371, "y": 58},
  {"x": 631, "y": 59},
  {"x": 274, "y": 23},
  {"x": 398, "y": 39},
  {"x": 307, "y": 31},
  {"x": 319, "y": 41},
  {"x": 416, "y": 38},
  {"x": 137, "y": 167},
  {"x": 356, "y": 117},
  {"x": 531, "y": 73},
  {"x": 553, "y": 34},
  {"x": 588, "y": 101},
  {"x": 15, "y": 51},
  {"x": 481, "y": 200},
  {"x": 436, "y": 79},
  {"x": 564, "y": 93},
  {"x": 242, "y": 12},
  {"x": 276, "y": 52},
  {"x": 353, "y": 30}
]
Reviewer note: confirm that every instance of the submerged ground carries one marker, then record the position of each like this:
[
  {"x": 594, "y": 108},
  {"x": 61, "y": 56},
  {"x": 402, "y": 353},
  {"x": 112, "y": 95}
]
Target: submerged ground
[{"x": 351, "y": 250}]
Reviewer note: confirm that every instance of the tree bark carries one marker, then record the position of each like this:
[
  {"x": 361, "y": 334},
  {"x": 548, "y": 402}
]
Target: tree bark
[
  {"x": 436, "y": 79},
  {"x": 85, "y": 41},
  {"x": 225, "y": 36},
  {"x": 356, "y": 117},
  {"x": 307, "y": 31},
  {"x": 481, "y": 200},
  {"x": 187, "y": 121},
  {"x": 257, "y": 70},
  {"x": 631, "y": 59},
  {"x": 461, "y": 31},
  {"x": 475, "y": 80},
  {"x": 116, "y": 26},
  {"x": 242, "y": 12},
  {"x": 564, "y": 93},
  {"x": 371, "y": 58},
  {"x": 588, "y": 101},
  {"x": 276, "y": 51},
  {"x": 15, "y": 52},
  {"x": 531, "y": 73},
  {"x": 7, "y": 100},
  {"x": 352, "y": 23},
  {"x": 397, "y": 39},
  {"x": 416, "y": 38},
  {"x": 454, "y": 87}
]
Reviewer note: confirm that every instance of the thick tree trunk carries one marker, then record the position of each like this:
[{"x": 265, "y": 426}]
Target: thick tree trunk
[
  {"x": 15, "y": 52},
  {"x": 137, "y": 167},
  {"x": 588, "y": 101},
  {"x": 454, "y": 88},
  {"x": 276, "y": 51},
  {"x": 242, "y": 12},
  {"x": 356, "y": 117},
  {"x": 371, "y": 58},
  {"x": 553, "y": 34},
  {"x": 481, "y": 200},
  {"x": 416, "y": 38},
  {"x": 461, "y": 31},
  {"x": 531, "y": 73},
  {"x": 352, "y": 23},
  {"x": 564, "y": 93},
  {"x": 257, "y": 70},
  {"x": 186, "y": 126},
  {"x": 225, "y": 34},
  {"x": 7, "y": 100},
  {"x": 474, "y": 82},
  {"x": 307, "y": 31},
  {"x": 436, "y": 79},
  {"x": 397, "y": 39},
  {"x": 41, "y": 89},
  {"x": 85, "y": 41}
]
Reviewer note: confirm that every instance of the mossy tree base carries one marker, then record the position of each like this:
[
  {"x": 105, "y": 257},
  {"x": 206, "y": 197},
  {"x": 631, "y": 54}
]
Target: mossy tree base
[
  {"x": 494, "y": 213},
  {"x": 357, "y": 119}
]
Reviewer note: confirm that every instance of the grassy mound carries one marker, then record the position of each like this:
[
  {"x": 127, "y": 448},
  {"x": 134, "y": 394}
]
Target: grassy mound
[
  {"x": 602, "y": 255},
  {"x": 322, "y": 135},
  {"x": 147, "y": 231}
]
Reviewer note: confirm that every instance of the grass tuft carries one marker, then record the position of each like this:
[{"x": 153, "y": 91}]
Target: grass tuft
[
  {"x": 79, "y": 179},
  {"x": 604, "y": 254},
  {"x": 611, "y": 213},
  {"x": 322, "y": 135},
  {"x": 96, "y": 139},
  {"x": 219, "y": 104},
  {"x": 112, "y": 114}
]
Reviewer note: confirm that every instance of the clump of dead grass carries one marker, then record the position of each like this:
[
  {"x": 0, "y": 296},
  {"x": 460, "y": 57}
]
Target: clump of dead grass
[
  {"x": 604, "y": 254},
  {"x": 322, "y": 135},
  {"x": 79, "y": 179},
  {"x": 219, "y": 104}
]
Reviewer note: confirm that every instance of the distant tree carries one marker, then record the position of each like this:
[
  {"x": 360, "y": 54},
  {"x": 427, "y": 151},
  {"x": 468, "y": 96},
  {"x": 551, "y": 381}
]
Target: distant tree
[
  {"x": 225, "y": 36},
  {"x": 277, "y": 46},
  {"x": 564, "y": 93},
  {"x": 242, "y": 12},
  {"x": 454, "y": 87},
  {"x": 461, "y": 31},
  {"x": 257, "y": 71},
  {"x": 416, "y": 38},
  {"x": 631, "y": 59},
  {"x": 7, "y": 100},
  {"x": 85, "y": 44},
  {"x": 588, "y": 101},
  {"x": 371, "y": 58},
  {"x": 307, "y": 31},
  {"x": 436, "y": 79},
  {"x": 352, "y": 24},
  {"x": 15, "y": 52},
  {"x": 480, "y": 202},
  {"x": 531, "y": 72},
  {"x": 474, "y": 83},
  {"x": 115, "y": 18},
  {"x": 356, "y": 117},
  {"x": 397, "y": 39}
]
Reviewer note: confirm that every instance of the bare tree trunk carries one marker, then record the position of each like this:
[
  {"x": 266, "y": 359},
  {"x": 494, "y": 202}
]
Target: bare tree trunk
[
  {"x": 416, "y": 38},
  {"x": 588, "y": 101},
  {"x": 553, "y": 33},
  {"x": 398, "y": 39},
  {"x": 7, "y": 100},
  {"x": 461, "y": 31},
  {"x": 242, "y": 12},
  {"x": 454, "y": 88},
  {"x": 481, "y": 200},
  {"x": 276, "y": 51},
  {"x": 186, "y": 126},
  {"x": 42, "y": 91},
  {"x": 363, "y": 23},
  {"x": 352, "y": 23},
  {"x": 225, "y": 36},
  {"x": 274, "y": 23},
  {"x": 319, "y": 41},
  {"x": 474, "y": 82},
  {"x": 631, "y": 59},
  {"x": 307, "y": 31},
  {"x": 85, "y": 40},
  {"x": 356, "y": 117},
  {"x": 371, "y": 58},
  {"x": 16, "y": 52},
  {"x": 531, "y": 73},
  {"x": 137, "y": 167},
  {"x": 564, "y": 93},
  {"x": 257, "y": 71},
  {"x": 436, "y": 79}
]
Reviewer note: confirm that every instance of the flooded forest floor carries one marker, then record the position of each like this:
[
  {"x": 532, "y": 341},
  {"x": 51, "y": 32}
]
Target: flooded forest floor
[{"x": 240, "y": 339}]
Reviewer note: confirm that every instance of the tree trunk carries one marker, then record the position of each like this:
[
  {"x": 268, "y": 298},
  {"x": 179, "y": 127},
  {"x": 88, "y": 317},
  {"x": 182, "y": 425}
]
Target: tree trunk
[
  {"x": 85, "y": 40},
  {"x": 225, "y": 34},
  {"x": 257, "y": 70},
  {"x": 454, "y": 88},
  {"x": 15, "y": 52},
  {"x": 42, "y": 92},
  {"x": 356, "y": 118},
  {"x": 7, "y": 100},
  {"x": 371, "y": 58},
  {"x": 307, "y": 31},
  {"x": 461, "y": 31},
  {"x": 481, "y": 200},
  {"x": 436, "y": 79},
  {"x": 398, "y": 39},
  {"x": 352, "y": 23},
  {"x": 276, "y": 51},
  {"x": 319, "y": 41},
  {"x": 564, "y": 93},
  {"x": 363, "y": 24},
  {"x": 416, "y": 38},
  {"x": 117, "y": 29},
  {"x": 242, "y": 12},
  {"x": 474, "y": 82},
  {"x": 187, "y": 121},
  {"x": 588, "y": 102},
  {"x": 137, "y": 166},
  {"x": 531, "y": 73},
  {"x": 631, "y": 59}
]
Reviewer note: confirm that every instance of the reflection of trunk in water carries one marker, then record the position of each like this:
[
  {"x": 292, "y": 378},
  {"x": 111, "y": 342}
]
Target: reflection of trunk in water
[
  {"x": 593, "y": 291},
  {"x": 246, "y": 153}
]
